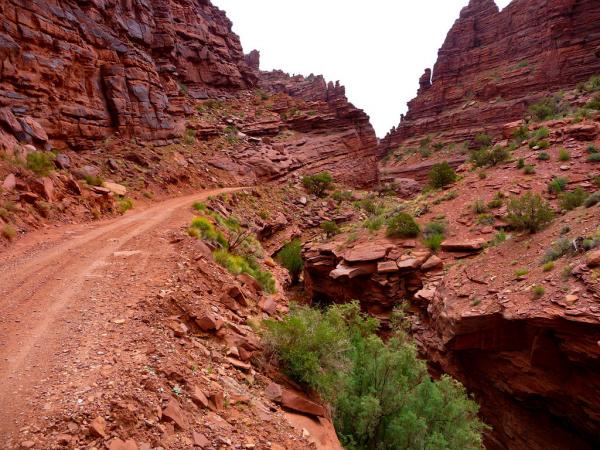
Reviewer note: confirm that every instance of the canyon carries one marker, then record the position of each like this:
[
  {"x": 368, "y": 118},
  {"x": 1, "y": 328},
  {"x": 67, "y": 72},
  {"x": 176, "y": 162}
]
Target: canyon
[{"x": 152, "y": 101}]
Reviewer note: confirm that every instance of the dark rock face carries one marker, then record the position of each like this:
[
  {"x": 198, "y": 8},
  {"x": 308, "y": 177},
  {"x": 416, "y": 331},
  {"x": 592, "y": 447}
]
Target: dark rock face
[
  {"x": 337, "y": 136},
  {"x": 494, "y": 63},
  {"x": 85, "y": 69}
]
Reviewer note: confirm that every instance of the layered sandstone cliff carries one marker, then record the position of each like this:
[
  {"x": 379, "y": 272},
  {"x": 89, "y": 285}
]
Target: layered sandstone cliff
[{"x": 493, "y": 64}]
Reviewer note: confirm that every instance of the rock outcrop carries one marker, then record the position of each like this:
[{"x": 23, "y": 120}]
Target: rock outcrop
[
  {"x": 493, "y": 64},
  {"x": 86, "y": 69}
]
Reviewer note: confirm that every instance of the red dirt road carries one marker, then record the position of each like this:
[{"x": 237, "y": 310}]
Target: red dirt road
[{"x": 58, "y": 287}]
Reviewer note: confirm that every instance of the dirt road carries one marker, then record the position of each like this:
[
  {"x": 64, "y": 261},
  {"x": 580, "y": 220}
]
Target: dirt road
[{"x": 59, "y": 288}]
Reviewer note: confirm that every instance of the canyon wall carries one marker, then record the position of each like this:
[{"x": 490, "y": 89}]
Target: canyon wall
[
  {"x": 493, "y": 64},
  {"x": 86, "y": 69}
]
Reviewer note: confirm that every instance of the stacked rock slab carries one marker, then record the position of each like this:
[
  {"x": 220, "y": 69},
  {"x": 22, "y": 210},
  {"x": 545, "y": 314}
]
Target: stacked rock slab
[
  {"x": 85, "y": 69},
  {"x": 493, "y": 64}
]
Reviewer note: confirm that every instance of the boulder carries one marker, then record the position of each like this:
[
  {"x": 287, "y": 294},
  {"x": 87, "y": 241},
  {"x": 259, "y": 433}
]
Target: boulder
[
  {"x": 62, "y": 161},
  {"x": 387, "y": 267},
  {"x": 593, "y": 259},
  {"x": 297, "y": 401},
  {"x": 463, "y": 245},
  {"x": 344, "y": 270},
  {"x": 9, "y": 183},
  {"x": 209, "y": 322},
  {"x": 366, "y": 253},
  {"x": 432, "y": 263},
  {"x": 173, "y": 413},
  {"x": 115, "y": 188},
  {"x": 118, "y": 444}
]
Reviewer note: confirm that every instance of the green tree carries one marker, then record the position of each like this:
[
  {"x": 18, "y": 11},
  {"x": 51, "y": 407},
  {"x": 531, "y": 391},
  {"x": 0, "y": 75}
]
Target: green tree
[
  {"x": 403, "y": 225},
  {"x": 290, "y": 257},
  {"x": 441, "y": 175},
  {"x": 318, "y": 184},
  {"x": 529, "y": 212}
]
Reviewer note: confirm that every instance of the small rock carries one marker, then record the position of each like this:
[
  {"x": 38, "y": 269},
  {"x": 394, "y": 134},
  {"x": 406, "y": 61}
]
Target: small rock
[
  {"x": 200, "y": 440},
  {"x": 98, "y": 427},
  {"x": 432, "y": 263},
  {"x": 62, "y": 161},
  {"x": 174, "y": 413},
  {"x": 118, "y": 444}
]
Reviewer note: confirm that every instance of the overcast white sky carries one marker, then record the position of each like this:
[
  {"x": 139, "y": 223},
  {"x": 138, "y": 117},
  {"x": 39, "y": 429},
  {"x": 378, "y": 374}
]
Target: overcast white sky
[{"x": 377, "y": 49}]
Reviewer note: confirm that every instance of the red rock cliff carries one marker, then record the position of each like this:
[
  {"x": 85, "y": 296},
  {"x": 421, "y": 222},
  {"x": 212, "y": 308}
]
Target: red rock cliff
[
  {"x": 494, "y": 63},
  {"x": 85, "y": 69}
]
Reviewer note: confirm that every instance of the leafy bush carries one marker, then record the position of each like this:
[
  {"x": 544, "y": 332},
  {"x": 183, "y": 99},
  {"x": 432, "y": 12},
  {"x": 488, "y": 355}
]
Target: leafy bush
[
  {"x": 340, "y": 196},
  {"x": 538, "y": 291},
  {"x": 521, "y": 134},
  {"x": 237, "y": 264},
  {"x": 593, "y": 84},
  {"x": 483, "y": 140},
  {"x": 371, "y": 207},
  {"x": 207, "y": 230},
  {"x": 497, "y": 201},
  {"x": 381, "y": 393},
  {"x": 592, "y": 148},
  {"x": 592, "y": 200},
  {"x": 521, "y": 272},
  {"x": 490, "y": 157},
  {"x": 557, "y": 185},
  {"x": 479, "y": 207},
  {"x": 596, "y": 180},
  {"x": 564, "y": 155},
  {"x": 330, "y": 228},
  {"x": 435, "y": 227},
  {"x": 548, "y": 267},
  {"x": 318, "y": 184},
  {"x": 594, "y": 157},
  {"x": 40, "y": 163},
  {"x": 9, "y": 232},
  {"x": 529, "y": 212},
  {"x": 125, "y": 204},
  {"x": 573, "y": 199},
  {"x": 433, "y": 242},
  {"x": 529, "y": 169},
  {"x": 594, "y": 103},
  {"x": 403, "y": 225},
  {"x": 543, "y": 156},
  {"x": 557, "y": 250},
  {"x": 545, "y": 109},
  {"x": 290, "y": 257},
  {"x": 520, "y": 163},
  {"x": 189, "y": 136},
  {"x": 441, "y": 175},
  {"x": 93, "y": 180},
  {"x": 374, "y": 223},
  {"x": 541, "y": 133}
]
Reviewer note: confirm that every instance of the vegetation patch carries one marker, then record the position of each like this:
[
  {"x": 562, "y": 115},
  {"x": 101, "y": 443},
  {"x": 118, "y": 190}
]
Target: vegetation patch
[
  {"x": 441, "y": 175},
  {"x": 529, "y": 212},
  {"x": 318, "y": 184},
  {"x": 403, "y": 225}
]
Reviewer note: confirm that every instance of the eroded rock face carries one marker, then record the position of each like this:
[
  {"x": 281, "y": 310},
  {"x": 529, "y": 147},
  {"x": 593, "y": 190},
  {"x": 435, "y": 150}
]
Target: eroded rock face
[
  {"x": 85, "y": 69},
  {"x": 341, "y": 138},
  {"x": 493, "y": 64}
]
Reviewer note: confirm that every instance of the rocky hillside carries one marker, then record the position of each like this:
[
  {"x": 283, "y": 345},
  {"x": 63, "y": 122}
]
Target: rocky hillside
[{"x": 493, "y": 64}]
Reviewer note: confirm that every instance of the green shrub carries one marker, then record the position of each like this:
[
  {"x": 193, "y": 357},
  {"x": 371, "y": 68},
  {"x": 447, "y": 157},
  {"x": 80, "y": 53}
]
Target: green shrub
[
  {"x": 594, "y": 157},
  {"x": 548, "y": 267},
  {"x": 9, "y": 232},
  {"x": 435, "y": 227},
  {"x": 529, "y": 169},
  {"x": 521, "y": 272},
  {"x": 545, "y": 109},
  {"x": 541, "y": 133},
  {"x": 594, "y": 103},
  {"x": 564, "y": 155},
  {"x": 40, "y": 163},
  {"x": 538, "y": 291},
  {"x": 479, "y": 207},
  {"x": 374, "y": 223},
  {"x": 381, "y": 393},
  {"x": 573, "y": 199},
  {"x": 520, "y": 163},
  {"x": 543, "y": 156},
  {"x": 200, "y": 207},
  {"x": 482, "y": 175},
  {"x": 490, "y": 157},
  {"x": 593, "y": 84},
  {"x": 557, "y": 185},
  {"x": 125, "y": 204},
  {"x": 290, "y": 257},
  {"x": 521, "y": 134},
  {"x": 208, "y": 231},
  {"x": 189, "y": 136},
  {"x": 483, "y": 140},
  {"x": 93, "y": 180},
  {"x": 497, "y": 201},
  {"x": 340, "y": 196},
  {"x": 371, "y": 207},
  {"x": 433, "y": 242},
  {"x": 592, "y": 200},
  {"x": 499, "y": 238},
  {"x": 403, "y": 225},
  {"x": 596, "y": 180},
  {"x": 330, "y": 228},
  {"x": 238, "y": 264},
  {"x": 485, "y": 219},
  {"x": 557, "y": 250},
  {"x": 529, "y": 212},
  {"x": 441, "y": 175},
  {"x": 592, "y": 148},
  {"x": 318, "y": 184},
  {"x": 543, "y": 144}
]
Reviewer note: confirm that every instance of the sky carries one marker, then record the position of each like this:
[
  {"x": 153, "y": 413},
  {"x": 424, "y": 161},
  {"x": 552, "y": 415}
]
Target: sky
[{"x": 377, "y": 49}]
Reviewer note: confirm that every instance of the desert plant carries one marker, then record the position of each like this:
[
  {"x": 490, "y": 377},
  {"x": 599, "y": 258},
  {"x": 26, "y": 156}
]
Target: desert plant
[
  {"x": 479, "y": 207},
  {"x": 497, "y": 201},
  {"x": 521, "y": 272},
  {"x": 290, "y": 257},
  {"x": 373, "y": 385},
  {"x": 543, "y": 156},
  {"x": 557, "y": 250},
  {"x": 489, "y": 157},
  {"x": 402, "y": 225},
  {"x": 40, "y": 163},
  {"x": 207, "y": 230},
  {"x": 441, "y": 175},
  {"x": 520, "y": 163},
  {"x": 189, "y": 136},
  {"x": 529, "y": 169},
  {"x": 124, "y": 204},
  {"x": 538, "y": 291},
  {"x": 238, "y": 264},
  {"x": 529, "y": 212},
  {"x": 374, "y": 223},
  {"x": 592, "y": 148},
  {"x": 594, "y": 157},
  {"x": 330, "y": 228},
  {"x": 548, "y": 267},
  {"x": 318, "y": 184},
  {"x": 521, "y": 134},
  {"x": 93, "y": 180},
  {"x": 483, "y": 140},
  {"x": 433, "y": 242},
  {"x": 557, "y": 185},
  {"x": 9, "y": 232},
  {"x": 573, "y": 199},
  {"x": 564, "y": 155},
  {"x": 340, "y": 196},
  {"x": 592, "y": 200},
  {"x": 545, "y": 109}
]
